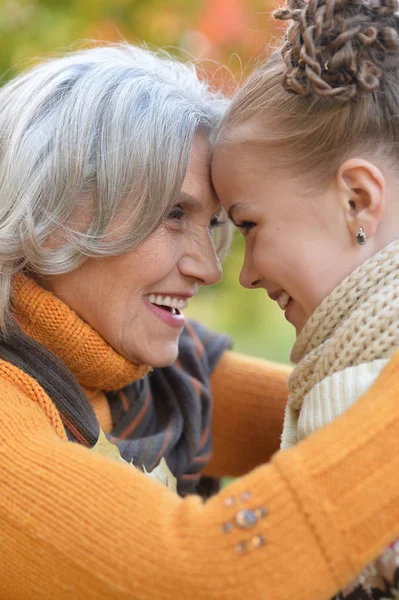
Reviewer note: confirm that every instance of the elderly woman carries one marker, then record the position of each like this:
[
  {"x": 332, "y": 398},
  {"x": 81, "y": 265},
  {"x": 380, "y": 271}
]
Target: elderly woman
[{"x": 107, "y": 219}]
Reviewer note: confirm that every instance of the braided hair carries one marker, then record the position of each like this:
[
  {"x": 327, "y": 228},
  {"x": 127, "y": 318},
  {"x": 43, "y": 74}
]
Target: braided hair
[
  {"x": 339, "y": 47},
  {"x": 331, "y": 88}
]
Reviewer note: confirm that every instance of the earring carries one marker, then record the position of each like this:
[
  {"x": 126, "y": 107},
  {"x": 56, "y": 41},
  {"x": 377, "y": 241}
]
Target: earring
[{"x": 361, "y": 237}]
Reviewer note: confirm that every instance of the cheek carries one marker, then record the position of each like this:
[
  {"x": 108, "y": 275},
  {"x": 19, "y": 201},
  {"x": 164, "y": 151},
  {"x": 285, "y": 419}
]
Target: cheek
[
  {"x": 272, "y": 257},
  {"x": 157, "y": 253},
  {"x": 110, "y": 290},
  {"x": 311, "y": 279},
  {"x": 152, "y": 269}
]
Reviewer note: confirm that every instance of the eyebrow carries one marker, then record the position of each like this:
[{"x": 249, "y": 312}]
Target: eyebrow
[{"x": 186, "y": 197}]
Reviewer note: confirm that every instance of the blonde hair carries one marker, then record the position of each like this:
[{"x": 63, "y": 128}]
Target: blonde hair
[
  {"x": 94, "y": 133},
  {"x": 332, "y": 87}
]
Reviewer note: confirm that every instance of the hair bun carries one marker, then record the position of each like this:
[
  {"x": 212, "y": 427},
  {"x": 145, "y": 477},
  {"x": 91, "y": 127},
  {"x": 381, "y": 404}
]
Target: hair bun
[{"x": 339, "y": 48}]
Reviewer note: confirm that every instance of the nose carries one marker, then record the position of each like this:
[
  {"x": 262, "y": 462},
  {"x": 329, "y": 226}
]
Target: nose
[
  {"x": 248, "y": 275},
  {"x": 200, "y": 261}
]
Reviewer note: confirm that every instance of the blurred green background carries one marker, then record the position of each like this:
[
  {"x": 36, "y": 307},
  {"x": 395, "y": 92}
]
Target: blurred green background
[{"x": 230, "y": 33}]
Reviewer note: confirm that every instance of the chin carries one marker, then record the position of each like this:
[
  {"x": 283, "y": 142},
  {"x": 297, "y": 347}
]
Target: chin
[
  {"x": 161, "y": 361},
  {"x": 156, "y": 357}
]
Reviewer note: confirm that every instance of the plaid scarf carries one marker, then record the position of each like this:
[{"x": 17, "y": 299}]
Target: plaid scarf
[{"x": 167, "y": 414}]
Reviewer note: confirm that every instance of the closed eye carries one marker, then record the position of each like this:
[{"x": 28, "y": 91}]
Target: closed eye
[
  {"x": 216, "y": 222},
  {"x": 177, "y": 212},
  {"x": 245, "y": 226}
]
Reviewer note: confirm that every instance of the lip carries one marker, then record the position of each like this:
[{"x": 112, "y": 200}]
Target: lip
[
  {"x": 275, "y": 295},
  {"x": 174, "y": 294},
  {"x": 288, "y": 310},
  {"x": 176, "y": 321}
]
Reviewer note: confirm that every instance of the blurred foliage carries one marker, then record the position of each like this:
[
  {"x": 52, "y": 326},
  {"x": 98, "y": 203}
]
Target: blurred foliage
[
  {"x": 219, "y": 32},
  {"x": 230, "y": 31}
]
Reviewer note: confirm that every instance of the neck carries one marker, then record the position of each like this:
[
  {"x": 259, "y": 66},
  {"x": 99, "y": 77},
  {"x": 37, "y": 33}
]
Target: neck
[
  {"x": 53, "y": 324},
  {"x": 345, "y": 298},
  {"x": 357, "y": 322},
  {"x": 355, "y": 325}
]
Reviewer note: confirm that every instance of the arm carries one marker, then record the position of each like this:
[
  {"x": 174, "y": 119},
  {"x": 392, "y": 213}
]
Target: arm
[
  {"x": 249, "y": 398},
  {"x": 76, "y": 524}
]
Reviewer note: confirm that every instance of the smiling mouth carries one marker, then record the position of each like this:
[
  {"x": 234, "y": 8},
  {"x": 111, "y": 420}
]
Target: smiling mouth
[
  {"x": 284, "y": 300},
  {"x": 171, "y": 304}
]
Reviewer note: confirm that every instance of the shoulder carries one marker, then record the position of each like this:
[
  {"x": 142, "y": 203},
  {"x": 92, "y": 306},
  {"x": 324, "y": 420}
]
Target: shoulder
[{"x": 20, "y": 394}]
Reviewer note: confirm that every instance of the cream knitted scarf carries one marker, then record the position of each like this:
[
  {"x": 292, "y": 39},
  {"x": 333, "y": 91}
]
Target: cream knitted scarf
[{"x": 357, "y": 323}]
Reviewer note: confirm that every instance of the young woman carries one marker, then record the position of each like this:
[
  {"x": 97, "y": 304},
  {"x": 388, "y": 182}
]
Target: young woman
[{"x": 317, "y": 202}]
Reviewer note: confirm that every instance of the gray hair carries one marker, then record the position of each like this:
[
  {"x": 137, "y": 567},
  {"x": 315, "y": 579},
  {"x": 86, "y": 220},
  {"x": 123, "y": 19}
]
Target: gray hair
[{"x": 93, "y": 133}]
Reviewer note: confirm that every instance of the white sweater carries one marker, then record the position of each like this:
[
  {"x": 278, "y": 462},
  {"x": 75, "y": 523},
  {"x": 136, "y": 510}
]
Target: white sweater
[{"x": 334, "y": 394}]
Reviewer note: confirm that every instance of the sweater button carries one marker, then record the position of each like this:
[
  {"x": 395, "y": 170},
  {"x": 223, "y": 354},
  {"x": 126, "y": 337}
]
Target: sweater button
[
  {"x": 245, "y": 518},
  {"x": 245, "y": 496},
  {"x": 227, "y": 527},
  {"x": 258, "y": 541},
  {"x": 261, "y": 512},
  {"x": 229, "y": 501},
  {"x": 241, "y": 547}
]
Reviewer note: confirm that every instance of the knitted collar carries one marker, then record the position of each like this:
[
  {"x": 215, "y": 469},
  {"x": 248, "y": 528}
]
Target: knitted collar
[
  {"x": 357, "y": 323},
  {"x": 53, "y": 324},
  {"x": 367, "y": 279}
]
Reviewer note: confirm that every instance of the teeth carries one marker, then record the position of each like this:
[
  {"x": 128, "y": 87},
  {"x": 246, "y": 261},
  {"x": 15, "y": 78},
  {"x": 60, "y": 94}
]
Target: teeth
[
  {"x": 283, "y": 300},
  {"x": 172, "y": 302}
]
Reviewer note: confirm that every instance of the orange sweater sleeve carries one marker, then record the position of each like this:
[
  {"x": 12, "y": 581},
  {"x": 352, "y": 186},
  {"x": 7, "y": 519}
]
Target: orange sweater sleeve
[
  {"x": 79, "y": 525},
  {"x": 249, "y": 396}
]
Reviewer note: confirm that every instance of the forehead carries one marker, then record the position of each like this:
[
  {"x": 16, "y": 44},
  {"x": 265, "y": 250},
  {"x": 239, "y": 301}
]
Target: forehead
[
  {"x": 246, "y": 178},
  {"x": 199, "y": 162},
  {"x": 198, "y": 182},
  {"x": 237, "y": 168}
]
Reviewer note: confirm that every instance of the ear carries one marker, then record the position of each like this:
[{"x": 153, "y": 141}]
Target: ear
[{"x": 361, "y": 192}]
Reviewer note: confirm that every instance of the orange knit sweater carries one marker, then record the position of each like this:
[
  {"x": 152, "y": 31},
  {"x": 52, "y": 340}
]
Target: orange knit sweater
[{"x": 75, "y": 524}]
